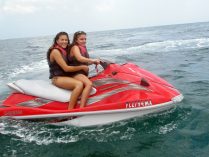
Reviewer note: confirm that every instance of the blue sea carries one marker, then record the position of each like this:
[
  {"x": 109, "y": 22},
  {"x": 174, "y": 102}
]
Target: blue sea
[{"x": 177, "y": 53}]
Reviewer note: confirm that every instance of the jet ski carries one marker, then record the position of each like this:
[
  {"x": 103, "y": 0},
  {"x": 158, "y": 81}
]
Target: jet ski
[{"x": 120, "y": 92}]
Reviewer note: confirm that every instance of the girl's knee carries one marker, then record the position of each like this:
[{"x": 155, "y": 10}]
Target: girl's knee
[
  {"x": 89, "y": 84},
  {"x": 79, "y": 84}
]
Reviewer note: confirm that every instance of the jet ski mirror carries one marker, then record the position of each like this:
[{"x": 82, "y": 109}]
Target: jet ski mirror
[
  {"x": 144, "y": 82},
  {"x": 100, "y": 67},
  {"x": 105, "y": 63}
]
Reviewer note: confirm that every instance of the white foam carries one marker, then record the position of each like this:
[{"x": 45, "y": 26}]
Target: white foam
[
  {"x": 28, "y": 68},
  {"x": 29, "y": 132},
  {"x": 161, "y": 46},
  {"x": 167, "y": 128},
  {"x": 173, "y": 45}
]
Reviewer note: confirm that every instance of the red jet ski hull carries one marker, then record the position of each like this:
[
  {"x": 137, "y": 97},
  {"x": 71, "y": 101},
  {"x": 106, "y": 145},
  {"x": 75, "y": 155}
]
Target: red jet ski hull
[{"x": 123, "y": 92}]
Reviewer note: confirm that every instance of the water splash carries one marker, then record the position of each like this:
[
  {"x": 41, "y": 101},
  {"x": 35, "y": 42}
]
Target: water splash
[
  {"x": 45, "y": 134},
  {"x": 34, "y": 66}
]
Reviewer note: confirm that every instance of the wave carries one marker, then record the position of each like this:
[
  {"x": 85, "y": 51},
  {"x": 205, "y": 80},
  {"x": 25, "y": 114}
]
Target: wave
[
  {"x": 161, "y": 46},
  {"x": 34, "y": 66},
  {"x": 177, "y": 44},
  {"x": 33, "y": 47},
  {"x": 43, "y": 134}
]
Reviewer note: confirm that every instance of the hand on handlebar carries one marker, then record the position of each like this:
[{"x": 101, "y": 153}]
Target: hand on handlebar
[{"x": 96, "y": 61}]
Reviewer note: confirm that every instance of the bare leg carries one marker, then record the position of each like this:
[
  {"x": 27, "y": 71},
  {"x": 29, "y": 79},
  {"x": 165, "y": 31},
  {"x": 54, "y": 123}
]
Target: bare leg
[
  {"x": 72, "y": 84},
  {"x": 87, "y": 88}
]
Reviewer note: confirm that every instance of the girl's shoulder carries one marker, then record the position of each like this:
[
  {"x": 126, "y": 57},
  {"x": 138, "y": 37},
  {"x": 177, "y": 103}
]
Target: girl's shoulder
[
  {"x": 54, "y": 50},
  {"x": 74, "y": 47}
]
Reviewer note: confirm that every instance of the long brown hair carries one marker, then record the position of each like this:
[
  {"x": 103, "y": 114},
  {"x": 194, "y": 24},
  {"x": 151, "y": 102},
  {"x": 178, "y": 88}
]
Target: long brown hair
[
  {"x": 55, "y": 42},
  {"x": 76, "y": 36}
]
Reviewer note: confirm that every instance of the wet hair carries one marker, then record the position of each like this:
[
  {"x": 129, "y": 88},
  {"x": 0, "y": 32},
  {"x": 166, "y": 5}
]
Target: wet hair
[
  {"x": 55, "y": 42},
  {"x": 58, "y": 36},
  {"x": 76, "y": 36}
]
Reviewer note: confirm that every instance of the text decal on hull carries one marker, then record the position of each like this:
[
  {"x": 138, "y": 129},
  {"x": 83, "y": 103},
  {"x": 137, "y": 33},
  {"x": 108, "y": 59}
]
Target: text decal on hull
[{"x": 138, "y": 103}]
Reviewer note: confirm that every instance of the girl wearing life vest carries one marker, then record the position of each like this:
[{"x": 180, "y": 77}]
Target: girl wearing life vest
[
  {"x": 79, "y": 56},
  {"x": 60, "y": 72}
]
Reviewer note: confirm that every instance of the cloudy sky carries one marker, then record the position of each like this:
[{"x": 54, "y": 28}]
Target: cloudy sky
[{"x": 27, "y": 18}]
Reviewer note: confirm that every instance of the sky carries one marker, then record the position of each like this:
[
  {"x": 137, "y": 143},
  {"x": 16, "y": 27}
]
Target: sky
[{"x": 32, "y": 18}]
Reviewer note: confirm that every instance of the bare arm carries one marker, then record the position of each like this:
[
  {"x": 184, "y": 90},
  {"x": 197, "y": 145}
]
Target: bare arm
[
  {"x": 76, "y": 53},
  {"x": 56, "y": 56}
]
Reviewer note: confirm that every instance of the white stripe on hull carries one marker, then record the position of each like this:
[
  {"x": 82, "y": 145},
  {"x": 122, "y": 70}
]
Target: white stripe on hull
[
  {"x": 92, "y": 118},
  {"x": 107, "y": 118}
]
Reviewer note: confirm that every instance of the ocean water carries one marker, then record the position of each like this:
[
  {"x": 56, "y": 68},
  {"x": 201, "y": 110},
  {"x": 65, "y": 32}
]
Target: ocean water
[{"x": 177, "y": 53}]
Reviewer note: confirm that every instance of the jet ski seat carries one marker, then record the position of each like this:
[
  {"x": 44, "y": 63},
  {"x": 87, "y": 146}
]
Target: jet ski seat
[{"x": 42, "y": 89}]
